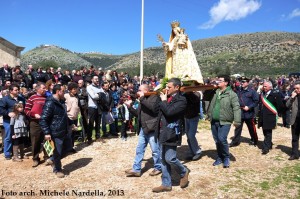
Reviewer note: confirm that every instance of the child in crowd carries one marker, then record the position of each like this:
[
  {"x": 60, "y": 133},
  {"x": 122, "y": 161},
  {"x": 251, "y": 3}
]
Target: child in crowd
[
  {"x": 124, "y": 117},
  {"x": 19, "y": 131}
]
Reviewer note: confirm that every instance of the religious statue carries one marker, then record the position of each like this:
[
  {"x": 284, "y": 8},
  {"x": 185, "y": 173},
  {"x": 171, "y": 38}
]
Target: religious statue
[{"x": 181, "y": 61}]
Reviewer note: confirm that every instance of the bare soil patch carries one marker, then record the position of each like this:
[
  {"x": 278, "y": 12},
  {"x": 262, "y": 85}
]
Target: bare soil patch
[{"x": 101, "y": 167}]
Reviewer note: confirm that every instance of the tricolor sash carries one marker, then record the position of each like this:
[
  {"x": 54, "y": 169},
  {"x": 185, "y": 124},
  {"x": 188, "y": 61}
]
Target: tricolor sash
[{"x": 269, "y": 106}]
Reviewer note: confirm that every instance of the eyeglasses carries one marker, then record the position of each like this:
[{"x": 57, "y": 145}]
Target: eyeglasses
[{"x": 243, "y": 81}]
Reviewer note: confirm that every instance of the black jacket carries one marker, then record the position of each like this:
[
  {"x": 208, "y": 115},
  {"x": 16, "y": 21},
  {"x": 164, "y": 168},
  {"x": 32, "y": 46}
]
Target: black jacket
[
  {"x": 106, "y": 102},
  {"x": 147, "y": 113},
  {"x": 193, "y": 105},
  {"x": 6, "y": 75},
  {"x": 267, "y": 119},
  {"x": 248, "y": 97},
  {"x": 171, "y": 113},
  {"x": 54, "y": 118}
]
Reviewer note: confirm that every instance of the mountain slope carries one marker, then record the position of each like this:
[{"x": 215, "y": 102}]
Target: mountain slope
[{"x": 262, "y": 53}]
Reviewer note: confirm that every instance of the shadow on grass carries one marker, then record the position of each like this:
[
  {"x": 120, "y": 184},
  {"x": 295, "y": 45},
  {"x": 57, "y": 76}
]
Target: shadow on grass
[
  {"x": 183, "y": 150},
  {"x": 285, "y": 149}
]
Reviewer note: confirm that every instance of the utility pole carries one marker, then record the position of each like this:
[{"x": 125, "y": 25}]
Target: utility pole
[{"x": 142, "y": 45}]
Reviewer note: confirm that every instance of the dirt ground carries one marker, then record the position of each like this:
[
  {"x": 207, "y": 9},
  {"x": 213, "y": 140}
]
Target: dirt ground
[{"x": 99, "y": 169}]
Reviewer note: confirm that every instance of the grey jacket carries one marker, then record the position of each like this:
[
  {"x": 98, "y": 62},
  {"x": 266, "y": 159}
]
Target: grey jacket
[{"x": 294, "y": 104}]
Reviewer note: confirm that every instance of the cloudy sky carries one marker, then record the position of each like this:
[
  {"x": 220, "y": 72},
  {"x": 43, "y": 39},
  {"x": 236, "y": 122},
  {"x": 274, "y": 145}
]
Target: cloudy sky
[{"x": 114, "y": 26}]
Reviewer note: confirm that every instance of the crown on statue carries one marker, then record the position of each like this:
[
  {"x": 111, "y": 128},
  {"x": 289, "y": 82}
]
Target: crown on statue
[{"x": 175, "y": 24}]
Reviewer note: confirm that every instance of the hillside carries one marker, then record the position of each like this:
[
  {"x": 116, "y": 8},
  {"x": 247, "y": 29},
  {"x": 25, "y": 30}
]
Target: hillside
[{"x": 265, "y": 53}]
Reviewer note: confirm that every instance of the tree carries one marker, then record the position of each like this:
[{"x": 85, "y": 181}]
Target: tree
[{"x": 46, "y": 64}]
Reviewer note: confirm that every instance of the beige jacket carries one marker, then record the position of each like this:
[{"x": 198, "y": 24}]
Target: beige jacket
[
  {"x": 295, "y": 106},
  {"x": 72, "y": 107}
]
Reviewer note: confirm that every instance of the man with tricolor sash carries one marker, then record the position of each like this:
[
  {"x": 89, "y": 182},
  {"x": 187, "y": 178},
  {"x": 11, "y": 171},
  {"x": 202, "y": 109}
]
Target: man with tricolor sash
[{"x": 270, "y": 103}]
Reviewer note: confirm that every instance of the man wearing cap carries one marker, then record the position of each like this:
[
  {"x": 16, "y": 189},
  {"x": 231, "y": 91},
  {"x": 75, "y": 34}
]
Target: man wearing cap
[{"x": 248, "y": 99}]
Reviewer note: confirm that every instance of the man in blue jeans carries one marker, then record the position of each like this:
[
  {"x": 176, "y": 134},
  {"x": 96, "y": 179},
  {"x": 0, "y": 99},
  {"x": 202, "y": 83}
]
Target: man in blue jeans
[
  {"x": 170, "y": 130},
  {"x": 147, "y": 113},
  {"x": 54, "y": 123},
  {"x": 191, "y": 117},
  {"x": 106, "y": 103},
  {"x": 6, "y": 109},
  {"x": 223, "y": 110}
]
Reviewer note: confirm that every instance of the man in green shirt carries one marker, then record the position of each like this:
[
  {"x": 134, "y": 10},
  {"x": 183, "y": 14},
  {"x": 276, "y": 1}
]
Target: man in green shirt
[{"x": 223, "y": 110}]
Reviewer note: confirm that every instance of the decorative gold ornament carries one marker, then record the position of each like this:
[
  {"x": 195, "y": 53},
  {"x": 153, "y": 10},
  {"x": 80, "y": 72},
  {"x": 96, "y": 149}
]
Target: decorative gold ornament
[{"x": 175, "y": 24}]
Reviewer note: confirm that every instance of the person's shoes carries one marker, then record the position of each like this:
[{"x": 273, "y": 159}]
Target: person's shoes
[
  {"x": 25, "y": 156},
  {"x": 89, "y": 142},
  {"x": 226, "y": 163},
  {"x": 155, "y": 172},
  {"x": 196, "y": 157},
  {"x": 218, "y": 162},
  {"x": 184, "y": 181},
  {"x": 124, "y": 138},
  {"x": 293, "y": 157},
  {"x": 35, "y": 163},
  {"x": 7, "y": 158},
  {"x": 253, "y": 143},
  {"x": 60, "y": 174},
  {"x": 265, "y": 152},
  {"x": 161, "y": 188},
  {"x": 288, "y": 126},
  {"x": 131, "y": 173},
  {"x": 105, "y": 135},
  {"x": 49, "y": 162},
  {"x": 233, "y": 144},
  {"x": 73, "y": 151},
  {"x": 114, "y": 134}
]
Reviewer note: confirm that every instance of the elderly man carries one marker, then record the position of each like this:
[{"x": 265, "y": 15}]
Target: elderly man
[
  {"x": 270, "y": 103},
  {"x": 294, "y": 103},
  {"x": 6, "y": 74}
]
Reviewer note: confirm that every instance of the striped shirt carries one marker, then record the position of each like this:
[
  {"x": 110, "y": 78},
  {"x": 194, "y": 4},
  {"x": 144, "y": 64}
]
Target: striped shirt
[{"x": 34, "y": 105}]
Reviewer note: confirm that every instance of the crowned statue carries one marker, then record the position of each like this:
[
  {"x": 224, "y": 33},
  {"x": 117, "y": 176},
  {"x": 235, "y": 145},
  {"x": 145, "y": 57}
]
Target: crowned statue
[{"x": 181, "y": 61}]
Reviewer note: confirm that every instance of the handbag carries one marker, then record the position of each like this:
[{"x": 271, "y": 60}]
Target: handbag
[
  {"x": 151, "y": 124},
  {"x": 115, "y": 113}
]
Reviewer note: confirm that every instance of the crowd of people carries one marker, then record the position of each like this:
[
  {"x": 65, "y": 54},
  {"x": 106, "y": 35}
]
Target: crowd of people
[{"x": 38, "y": 105}]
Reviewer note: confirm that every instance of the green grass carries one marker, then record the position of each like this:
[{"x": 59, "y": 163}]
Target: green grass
[
  {"x": 277, "y": 181},
  {"x": 264, "y": 185}
]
